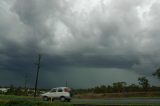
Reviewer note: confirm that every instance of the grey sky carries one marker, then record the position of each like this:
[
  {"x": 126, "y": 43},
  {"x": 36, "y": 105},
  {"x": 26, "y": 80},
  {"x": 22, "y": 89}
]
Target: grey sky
[{"x": 82, "y": 41}]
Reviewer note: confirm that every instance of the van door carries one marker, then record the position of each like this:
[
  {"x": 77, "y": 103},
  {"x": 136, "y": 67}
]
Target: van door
[
  {"x": 52, "y": 93},
  {"x": 59, "y": 92}
]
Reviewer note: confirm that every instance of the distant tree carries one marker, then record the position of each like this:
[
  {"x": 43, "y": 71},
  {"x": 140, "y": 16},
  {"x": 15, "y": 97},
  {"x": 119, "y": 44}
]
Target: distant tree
[
  {"x": 18, "y": 91},
  {"x": 143, "y": 81},
  {"x": 100, "y": 89},
  {"x": 157, "y": 73},
  {"x": 119, "y": 86},
  {"x": 109, "y": 89},
  {"x": 132, "y": 88},
  {"x": 97, "y": 89},
  {"x": 103, "y": 89},
  {"x": 11, "y": 90}
]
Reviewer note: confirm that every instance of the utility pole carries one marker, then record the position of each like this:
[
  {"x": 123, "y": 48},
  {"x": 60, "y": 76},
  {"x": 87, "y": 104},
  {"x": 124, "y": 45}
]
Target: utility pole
[
  {"x": 37, "y": 75},
  {"x": 25, "y": 83},
  {"x": 66, "y": 83}
]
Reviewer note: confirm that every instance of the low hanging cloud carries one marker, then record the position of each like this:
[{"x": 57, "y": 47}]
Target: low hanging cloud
[{"x": 78, "y": 35}]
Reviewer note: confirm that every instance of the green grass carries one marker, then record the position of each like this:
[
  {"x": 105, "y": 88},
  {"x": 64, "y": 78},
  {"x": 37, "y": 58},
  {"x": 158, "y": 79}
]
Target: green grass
[
  {"x": 13, "y": 97},
  {"x": 41, "y": 103},
  {"x": 32, "y": 103},
  {"x": 11, "y": 100}
]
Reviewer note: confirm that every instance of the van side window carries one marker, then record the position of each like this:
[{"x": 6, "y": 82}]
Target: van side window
[
  {"x": 60, "y": 90},
  {"x": 53, "y": 90}
]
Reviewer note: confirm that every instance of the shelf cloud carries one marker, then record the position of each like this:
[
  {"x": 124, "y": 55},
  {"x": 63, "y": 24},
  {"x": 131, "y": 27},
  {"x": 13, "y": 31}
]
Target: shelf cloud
[{"x": 82, "y": 41}]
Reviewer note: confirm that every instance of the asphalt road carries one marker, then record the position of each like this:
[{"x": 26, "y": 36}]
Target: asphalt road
[{"x": 117, "y": 101}]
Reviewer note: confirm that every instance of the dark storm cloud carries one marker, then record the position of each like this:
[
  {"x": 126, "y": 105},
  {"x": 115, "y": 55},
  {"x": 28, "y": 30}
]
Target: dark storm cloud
[
  {"x": 78, "y": 35},
  {"x": 87, "y": 61}
]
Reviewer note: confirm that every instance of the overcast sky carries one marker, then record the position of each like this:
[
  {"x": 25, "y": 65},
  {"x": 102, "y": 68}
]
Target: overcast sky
[{"x": 86, "y": 42}]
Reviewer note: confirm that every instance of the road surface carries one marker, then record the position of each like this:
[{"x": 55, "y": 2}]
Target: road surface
[{"x": 117, "y": 101}]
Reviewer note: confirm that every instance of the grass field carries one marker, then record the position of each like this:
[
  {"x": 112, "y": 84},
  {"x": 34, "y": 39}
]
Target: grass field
[
  {"x": 38, "y": 103},
  {"x": 10, "y": 100},
  {"x": 32, "y": 103}
]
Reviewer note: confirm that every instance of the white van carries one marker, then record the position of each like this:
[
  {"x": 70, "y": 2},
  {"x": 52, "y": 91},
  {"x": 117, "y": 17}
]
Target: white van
[{"x": 61, "y": 93}]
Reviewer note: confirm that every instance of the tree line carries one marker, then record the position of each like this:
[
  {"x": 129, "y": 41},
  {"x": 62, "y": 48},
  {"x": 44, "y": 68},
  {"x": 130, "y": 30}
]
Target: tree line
[{"x": 120, "y": 87}]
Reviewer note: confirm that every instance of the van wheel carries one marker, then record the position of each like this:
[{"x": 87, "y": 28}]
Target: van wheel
[
  {"x": 68, "y": 100},
  {"x": 45, "y": 98},
  {"x": 62, "y": 99}
]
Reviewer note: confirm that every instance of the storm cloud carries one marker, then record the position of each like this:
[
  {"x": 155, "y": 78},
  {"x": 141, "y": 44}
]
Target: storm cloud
[{"x": 82, "y": 41}]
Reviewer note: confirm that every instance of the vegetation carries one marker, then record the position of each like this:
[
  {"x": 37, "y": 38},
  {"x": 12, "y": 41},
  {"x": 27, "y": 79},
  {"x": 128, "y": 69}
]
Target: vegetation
[
  {"x": 121, "y": 87},
  {"x": 157, "y": 73},
  {"x": 115, "y": 89},
  {"x": 143, "y": 81},
  {"x": 8, "y": 100},
  {"x": 32, "y": 103},
  {"x": 20, "y": 91},
  {"x": 41, "y": 103}
]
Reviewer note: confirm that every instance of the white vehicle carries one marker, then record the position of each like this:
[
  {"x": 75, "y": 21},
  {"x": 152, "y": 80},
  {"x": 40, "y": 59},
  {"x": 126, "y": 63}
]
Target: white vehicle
[{"x": 61, "y": 93}]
